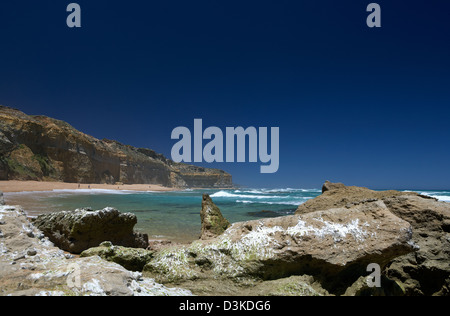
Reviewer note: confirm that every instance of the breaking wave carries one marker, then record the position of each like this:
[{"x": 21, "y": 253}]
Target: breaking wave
[
  {"x": 288, "y": 196},
  {"x": 443, "y": 196}
]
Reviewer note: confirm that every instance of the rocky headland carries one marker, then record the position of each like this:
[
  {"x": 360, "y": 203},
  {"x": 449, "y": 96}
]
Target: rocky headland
[
  {"x": 45, "y": 149},
  {"x": 324, "y": 249}
]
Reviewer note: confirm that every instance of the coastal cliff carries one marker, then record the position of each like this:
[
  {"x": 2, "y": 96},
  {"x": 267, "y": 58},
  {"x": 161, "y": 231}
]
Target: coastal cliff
[{"x": 45, "y": 149}]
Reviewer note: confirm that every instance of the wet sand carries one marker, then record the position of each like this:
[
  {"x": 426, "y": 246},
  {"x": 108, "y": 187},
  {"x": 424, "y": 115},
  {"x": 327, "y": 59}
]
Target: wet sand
[{"x": 37, "y": 186}]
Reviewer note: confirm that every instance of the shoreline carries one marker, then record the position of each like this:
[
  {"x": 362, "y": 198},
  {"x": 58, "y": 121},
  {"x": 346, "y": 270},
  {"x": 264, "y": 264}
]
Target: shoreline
[{"x": 15, "y": 186}]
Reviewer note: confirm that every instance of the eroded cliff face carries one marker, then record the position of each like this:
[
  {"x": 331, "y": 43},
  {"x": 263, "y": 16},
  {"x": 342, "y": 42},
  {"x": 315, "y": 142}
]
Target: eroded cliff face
[{"x": 42, "y": 148}]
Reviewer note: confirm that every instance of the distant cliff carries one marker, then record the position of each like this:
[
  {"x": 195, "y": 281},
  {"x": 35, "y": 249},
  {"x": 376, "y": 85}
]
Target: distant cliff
[{"x": 45, "y": 149}]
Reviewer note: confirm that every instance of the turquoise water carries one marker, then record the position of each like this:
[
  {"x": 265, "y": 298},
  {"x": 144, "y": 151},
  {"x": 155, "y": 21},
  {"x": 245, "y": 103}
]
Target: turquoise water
[{"x": 176, "y": 215}]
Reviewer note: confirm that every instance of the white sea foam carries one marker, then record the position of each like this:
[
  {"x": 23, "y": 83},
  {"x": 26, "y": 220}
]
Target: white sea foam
[
  {"x": 430, "y": 193},
  {"x": 270, "y": 191},
  {"x": 253, "y": 191},
  {"x": 442, "y": 198},
  {"x": 225, "y": 194},
  {"x": 296, "y": 203},
  {"x": 438, "y": 195},
  {"x": 291, "y": 190},
  {"x": 287, "y": 196}
]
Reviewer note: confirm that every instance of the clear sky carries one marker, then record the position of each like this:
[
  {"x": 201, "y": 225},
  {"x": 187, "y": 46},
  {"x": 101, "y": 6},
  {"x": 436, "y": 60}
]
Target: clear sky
[{"x": 357, "y": 105}]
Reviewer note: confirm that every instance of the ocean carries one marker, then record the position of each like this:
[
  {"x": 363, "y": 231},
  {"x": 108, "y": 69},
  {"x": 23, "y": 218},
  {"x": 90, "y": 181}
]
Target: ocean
[{"x": 176, "y": 215}]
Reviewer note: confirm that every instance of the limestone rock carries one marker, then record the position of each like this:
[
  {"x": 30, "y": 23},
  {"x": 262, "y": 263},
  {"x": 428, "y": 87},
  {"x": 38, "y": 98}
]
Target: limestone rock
[
  {"x": 42, "y": 148},
  {"x": 426, "y": 271},
  {"x": 339, "y": 195},
  {"x": 292, "y": 286},
  {"x": 388, "y": 288},
  {"x": 48, "y": 271},
  {"x": 329, "y": 186},
  {"x": 133, "y": 259},
  {"x": 213, "y": 222},
  {"x": 334, "y": 246},
  {"x": 83, "y": 229},
  {"x": 158, "y": 244}
]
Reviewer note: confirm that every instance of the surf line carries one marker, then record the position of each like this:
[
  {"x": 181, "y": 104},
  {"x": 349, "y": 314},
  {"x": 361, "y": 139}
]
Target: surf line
[{"x": 235, "y": 145}]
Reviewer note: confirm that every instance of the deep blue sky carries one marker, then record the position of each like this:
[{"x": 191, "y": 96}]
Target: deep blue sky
[{"x": 357, "y": 105}]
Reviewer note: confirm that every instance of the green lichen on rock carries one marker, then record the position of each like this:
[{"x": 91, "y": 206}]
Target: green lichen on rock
[
  {"x": 218, "y": 259},
  {"x": 79, "y": 230},
  {"x": 324, "y": 243},
  {"x": 213, "y": 222},
  {"x": 293, "y": 286},
  {"x": 133, "y": 259},
  {"x": 388, "y": 288},
  {"x": 31, "y": 265},
  {"x": 172, "y": 265}
]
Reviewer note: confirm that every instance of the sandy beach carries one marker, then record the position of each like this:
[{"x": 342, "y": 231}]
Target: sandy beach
[{"x": 36, "y": 186}]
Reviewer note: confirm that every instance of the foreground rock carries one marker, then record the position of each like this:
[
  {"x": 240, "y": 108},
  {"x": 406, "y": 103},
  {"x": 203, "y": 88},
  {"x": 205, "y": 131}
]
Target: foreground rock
[
  {"x": 213, "y": 222},
  {"x": 324, "y": 249},
  {"x": 82, "y": 229},
  {"x": 329, "y": 186},
  {"x": 334, "y": 246},
  {"x": 133, "y": 259},
  {"x": 31, "y": 265},
  {"x": 339, "y": 195},
  {"x": 426, "y": 271}
]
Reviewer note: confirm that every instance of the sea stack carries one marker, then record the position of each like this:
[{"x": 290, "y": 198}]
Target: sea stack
[{"x": 213, "y": 222}]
